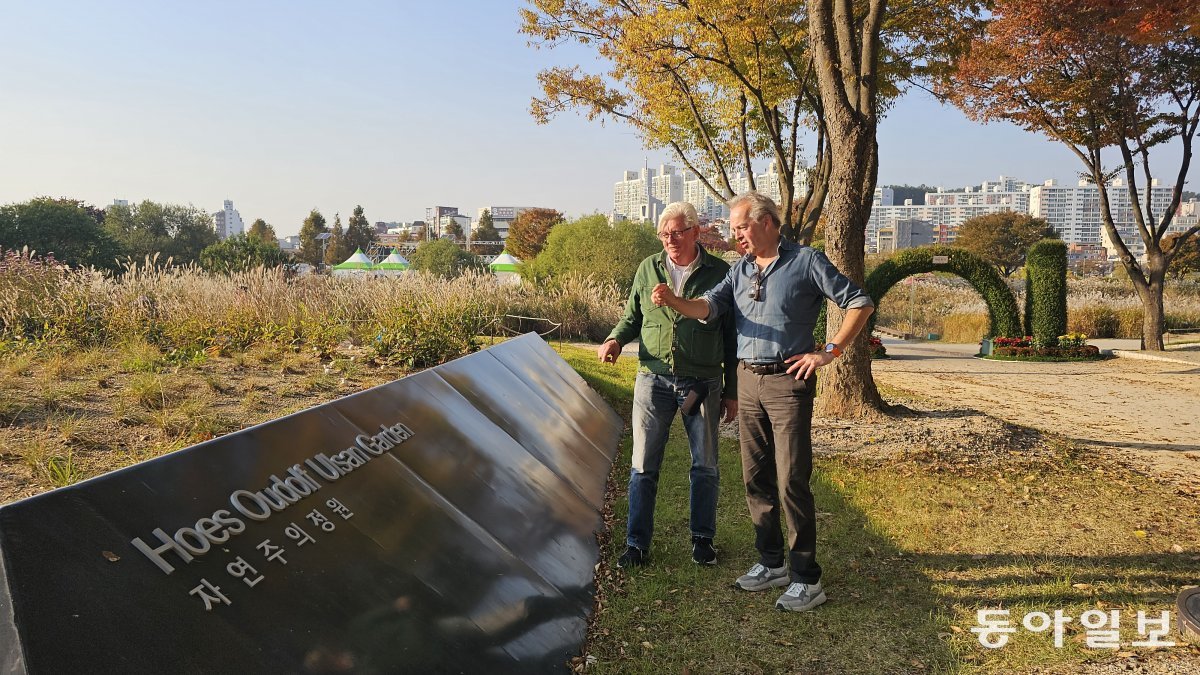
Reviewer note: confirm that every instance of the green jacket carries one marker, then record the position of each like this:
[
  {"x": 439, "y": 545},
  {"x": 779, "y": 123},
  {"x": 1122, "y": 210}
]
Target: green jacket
[{"x": 672, "y": 344}]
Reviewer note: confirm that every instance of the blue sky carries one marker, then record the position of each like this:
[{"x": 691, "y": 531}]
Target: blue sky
[{"x": 286, "y": 106}]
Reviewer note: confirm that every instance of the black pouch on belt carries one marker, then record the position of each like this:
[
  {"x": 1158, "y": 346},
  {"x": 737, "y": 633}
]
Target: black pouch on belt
[{"x": 695, "y": 397}]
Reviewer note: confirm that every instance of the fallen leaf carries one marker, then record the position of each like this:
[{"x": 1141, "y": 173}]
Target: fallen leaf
[{"x": 647, "y": 645}]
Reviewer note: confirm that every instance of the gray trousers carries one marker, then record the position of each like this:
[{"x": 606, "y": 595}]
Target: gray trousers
[{"x": 775, "y": 430}]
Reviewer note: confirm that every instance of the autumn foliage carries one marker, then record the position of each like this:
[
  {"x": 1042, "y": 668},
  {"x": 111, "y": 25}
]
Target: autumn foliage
[
  {"x": 527, "y": 234},
  {"x": 1098, "y": 76}
]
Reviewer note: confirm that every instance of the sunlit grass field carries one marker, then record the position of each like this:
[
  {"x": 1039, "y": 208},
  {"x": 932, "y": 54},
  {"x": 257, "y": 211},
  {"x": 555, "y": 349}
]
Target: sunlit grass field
[{"x": 910, "y": 555}]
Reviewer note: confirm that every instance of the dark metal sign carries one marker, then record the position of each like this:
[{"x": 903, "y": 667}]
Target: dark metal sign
[{"x": 441, "y": 523}]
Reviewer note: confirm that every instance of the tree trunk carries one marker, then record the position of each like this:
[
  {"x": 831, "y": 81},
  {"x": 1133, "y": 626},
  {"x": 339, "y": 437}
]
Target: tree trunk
[
  {"x": 849, "y": 388},
  {"x": 1151, "y": 294},
  {"x": 846, "y": 56}
]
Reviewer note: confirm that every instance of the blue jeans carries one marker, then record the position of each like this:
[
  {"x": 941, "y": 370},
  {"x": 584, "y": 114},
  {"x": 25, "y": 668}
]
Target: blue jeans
[{"x": 656, "y": 398}]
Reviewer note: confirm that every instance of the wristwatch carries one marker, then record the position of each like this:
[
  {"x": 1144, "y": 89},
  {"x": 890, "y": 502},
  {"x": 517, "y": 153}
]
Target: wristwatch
[{"x": 832, "y": 348}]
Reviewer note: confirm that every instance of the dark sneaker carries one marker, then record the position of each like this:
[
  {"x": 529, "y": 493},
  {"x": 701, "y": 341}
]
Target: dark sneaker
[
  {"x": 760, "y": 578},
  {"x": 633, "y": 557},
  {"x": 703, "y": 552},
  {"x": 801, "y": 597}
]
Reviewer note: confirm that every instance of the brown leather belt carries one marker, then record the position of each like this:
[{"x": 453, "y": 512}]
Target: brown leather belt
[{"x": 766, "y": 368}]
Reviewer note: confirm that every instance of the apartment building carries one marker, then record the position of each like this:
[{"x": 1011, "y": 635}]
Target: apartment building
[
  {"x": 947, "y": 209},
  {"x": 1074, "y": 211},
  {"x": 228, "y": 221},
  {"x": 906, "y": 234},
  {"x": 641, "y": 195}
]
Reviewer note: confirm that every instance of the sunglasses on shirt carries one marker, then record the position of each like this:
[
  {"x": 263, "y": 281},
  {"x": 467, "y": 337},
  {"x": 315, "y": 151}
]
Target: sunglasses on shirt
[{"x": 756, "y": 287}]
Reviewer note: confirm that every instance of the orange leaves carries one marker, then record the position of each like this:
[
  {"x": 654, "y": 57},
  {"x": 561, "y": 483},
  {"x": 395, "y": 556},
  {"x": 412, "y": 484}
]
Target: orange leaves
[{"x": 1078, "y": 70}]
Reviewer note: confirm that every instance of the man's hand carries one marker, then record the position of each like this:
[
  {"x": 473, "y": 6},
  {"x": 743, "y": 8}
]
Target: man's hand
[
  {"x": 804, "y": 365},
  {"x": 609, "y": 351},
  {"x": 663, "y": 295},
  {"x": 728, "y": 409}
]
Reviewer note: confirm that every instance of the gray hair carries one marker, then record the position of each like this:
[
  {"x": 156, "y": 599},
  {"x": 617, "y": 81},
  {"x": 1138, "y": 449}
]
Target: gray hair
[
  {"x": 677, "y": 209},
  {"x": 760, "y": 205}
]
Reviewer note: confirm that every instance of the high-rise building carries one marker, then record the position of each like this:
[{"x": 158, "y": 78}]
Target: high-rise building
[
  {"x": 1074, "y": 211},
  {"x": 768, "y": 183},
  {"x": 228, "y": 221},
  {"x": 435, "y": 215},
  {"x": 708, "y": 207},
  {"x": 946, "y": 208},
  {"x": 903, "y": 234},
  {"x": 642, "y": 195}
]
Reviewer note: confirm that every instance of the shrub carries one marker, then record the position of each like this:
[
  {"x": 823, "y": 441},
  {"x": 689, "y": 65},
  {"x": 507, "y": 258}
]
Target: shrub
[
  {"x": 1046, "y": 289},
  {"x": 878, "y": 351},
  {"x": 964, "y": 327},
  {"x": 1046, "y": 353},
  {"x": 26, "y": 283},
  {"x": 1001, "y": 305},
  {"x": 1129, "y": 323},
  {"x": 239, "y": 253},
  {"x": 1099, "y": 321},
  {"x": 590, "y": 247},
  {"x": 444, "y": 258},
  {"x": 585, "y": 309}
]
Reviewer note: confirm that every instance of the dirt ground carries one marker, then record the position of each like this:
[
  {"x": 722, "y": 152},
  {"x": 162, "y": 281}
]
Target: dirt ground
[{"x": 1145, "y": 411}]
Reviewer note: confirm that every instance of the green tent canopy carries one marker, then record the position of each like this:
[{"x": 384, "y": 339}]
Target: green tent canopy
[
  {"x": 358, "y": 261},
  {"x": 393, "y": 263},
  {"x": 504, "y": 263}
]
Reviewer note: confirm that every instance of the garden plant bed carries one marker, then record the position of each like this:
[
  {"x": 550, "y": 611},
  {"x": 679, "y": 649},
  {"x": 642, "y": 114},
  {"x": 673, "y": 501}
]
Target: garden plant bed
[{"x": 1070, "y": 347}]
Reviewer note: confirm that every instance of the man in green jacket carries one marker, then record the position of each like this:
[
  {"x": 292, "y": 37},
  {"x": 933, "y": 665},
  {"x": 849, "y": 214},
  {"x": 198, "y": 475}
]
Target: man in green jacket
[{"x": 686, "y": 365}]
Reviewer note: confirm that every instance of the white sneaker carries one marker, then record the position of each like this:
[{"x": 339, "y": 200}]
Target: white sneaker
[
  {"x": 760, "y": 578},
  {"x": 801, "y": 597}
]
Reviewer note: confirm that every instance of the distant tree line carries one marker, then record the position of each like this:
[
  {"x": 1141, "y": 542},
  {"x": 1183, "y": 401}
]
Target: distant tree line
[
  {"x": 341, "y": 242},
  {"x": 81, "y": 235},
  {"x": 914, "y": 192}
]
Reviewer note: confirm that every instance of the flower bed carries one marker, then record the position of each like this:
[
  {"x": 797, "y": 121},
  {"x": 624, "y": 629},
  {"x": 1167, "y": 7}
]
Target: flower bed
[
  {"x": 878, "y": 351},
  {"x": 1069, "y": 347}
]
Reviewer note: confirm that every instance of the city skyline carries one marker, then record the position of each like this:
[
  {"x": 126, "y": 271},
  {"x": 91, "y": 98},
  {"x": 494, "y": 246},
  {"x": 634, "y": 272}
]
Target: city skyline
[{"x": 395, "y": 108}]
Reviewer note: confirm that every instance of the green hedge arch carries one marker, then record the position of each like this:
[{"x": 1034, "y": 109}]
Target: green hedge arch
[
  {"x": 1046, "y": 290},
  {"x": 1003, "y": 317}
]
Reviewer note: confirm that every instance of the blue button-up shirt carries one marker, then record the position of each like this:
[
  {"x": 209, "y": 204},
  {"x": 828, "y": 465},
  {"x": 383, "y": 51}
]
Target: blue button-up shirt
[{"x": 780, "y": 322}]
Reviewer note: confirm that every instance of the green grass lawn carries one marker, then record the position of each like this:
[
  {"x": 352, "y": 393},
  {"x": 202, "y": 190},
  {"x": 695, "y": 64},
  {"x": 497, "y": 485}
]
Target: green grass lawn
[{"x": 910, "y": 554}]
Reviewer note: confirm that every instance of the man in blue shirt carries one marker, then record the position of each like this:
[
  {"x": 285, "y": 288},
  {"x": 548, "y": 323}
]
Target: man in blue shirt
[{"x": 775, "y": 295}]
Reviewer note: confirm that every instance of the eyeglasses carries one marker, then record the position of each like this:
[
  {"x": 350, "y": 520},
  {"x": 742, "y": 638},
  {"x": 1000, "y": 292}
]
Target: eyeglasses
[
  {"x": 756, "y": 289},
  {"x": 674, "y": 234}
]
